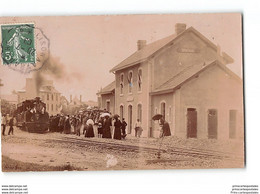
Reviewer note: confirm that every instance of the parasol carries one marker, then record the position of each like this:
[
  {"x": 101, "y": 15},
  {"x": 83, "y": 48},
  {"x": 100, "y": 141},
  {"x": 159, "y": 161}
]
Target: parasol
[
  {"x": 157, "y": 117},
  {"x": 105, "y": 114}
]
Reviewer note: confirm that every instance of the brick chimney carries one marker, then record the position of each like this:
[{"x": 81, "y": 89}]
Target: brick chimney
[
  {"x": 179, "y": 28},
  {"x": 141, "y": 44}
]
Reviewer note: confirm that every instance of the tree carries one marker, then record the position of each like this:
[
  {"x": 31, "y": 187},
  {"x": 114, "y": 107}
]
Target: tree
[{"x": 7, "y": 108}]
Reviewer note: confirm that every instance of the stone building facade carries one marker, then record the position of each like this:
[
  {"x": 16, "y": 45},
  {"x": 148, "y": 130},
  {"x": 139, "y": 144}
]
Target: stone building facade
[{"x": 183, "y": 77}]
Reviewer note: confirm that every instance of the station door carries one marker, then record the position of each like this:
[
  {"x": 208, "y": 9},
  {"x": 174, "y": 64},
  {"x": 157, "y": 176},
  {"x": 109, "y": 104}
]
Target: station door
[
  {"x": 191, "y": 123},
  {"x": 130, "y": 119},
  {"x": 232, "y": 123}
]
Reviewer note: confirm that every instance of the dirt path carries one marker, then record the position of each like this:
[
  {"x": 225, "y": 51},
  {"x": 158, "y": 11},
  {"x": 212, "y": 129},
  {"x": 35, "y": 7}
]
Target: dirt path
[{"x": 45, "y": 149}]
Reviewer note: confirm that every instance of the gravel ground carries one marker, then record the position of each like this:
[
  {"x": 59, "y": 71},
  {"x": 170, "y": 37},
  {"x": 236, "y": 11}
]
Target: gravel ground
[{"x": 46, "y": 150}]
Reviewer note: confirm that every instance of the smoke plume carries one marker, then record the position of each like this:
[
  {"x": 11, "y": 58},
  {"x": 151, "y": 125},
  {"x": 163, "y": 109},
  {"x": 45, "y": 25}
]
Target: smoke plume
[{"x": 55, "y": 70}]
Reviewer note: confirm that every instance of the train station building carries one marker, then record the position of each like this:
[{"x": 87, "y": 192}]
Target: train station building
[{"x": 185, "y": 78}]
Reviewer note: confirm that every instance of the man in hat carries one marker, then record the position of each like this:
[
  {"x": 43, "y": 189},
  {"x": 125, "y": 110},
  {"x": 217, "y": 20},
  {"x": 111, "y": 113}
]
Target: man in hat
[
  {"x": 124, "y": 124},
  {"x": 138, "y": 128},
  {"x": 4, "y": 123},
  {"x": 11, "y": 124}
]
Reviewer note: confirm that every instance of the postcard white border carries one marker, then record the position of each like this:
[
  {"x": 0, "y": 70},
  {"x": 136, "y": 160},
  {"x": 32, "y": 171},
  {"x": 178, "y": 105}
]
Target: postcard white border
[{"x": 158, "y": 181}]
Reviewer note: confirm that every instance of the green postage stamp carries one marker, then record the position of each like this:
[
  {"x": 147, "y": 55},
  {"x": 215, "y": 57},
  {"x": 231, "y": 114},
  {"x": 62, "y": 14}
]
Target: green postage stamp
[{"x": 18, "y": 44}]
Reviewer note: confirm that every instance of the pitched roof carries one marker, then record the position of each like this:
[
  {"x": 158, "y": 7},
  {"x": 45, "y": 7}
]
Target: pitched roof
[
  {"x": 108, "y": 89},
  {"x": 150, "y": 49},
  {"x": 142, "y": 54},
  {"x": 187, "y": 74}
]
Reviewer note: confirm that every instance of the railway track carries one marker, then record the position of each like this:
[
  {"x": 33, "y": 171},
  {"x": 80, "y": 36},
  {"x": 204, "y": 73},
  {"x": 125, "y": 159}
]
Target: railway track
[
  {"x": 85, "y": 143},
  {"x": 113, "y": 146}
]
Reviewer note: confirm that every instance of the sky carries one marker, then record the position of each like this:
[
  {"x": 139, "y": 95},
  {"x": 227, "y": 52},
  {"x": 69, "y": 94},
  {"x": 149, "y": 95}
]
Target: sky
[{"x": 89, "y": 46}]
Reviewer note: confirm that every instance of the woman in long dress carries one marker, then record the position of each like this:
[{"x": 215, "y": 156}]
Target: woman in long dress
[
  {"x": 100, "y": 128},
  {"x": 89, "y": 128},
  {"x": 117, "y": 131},
  {"x": 67, "y": 125},
  {"x": 166, "y": 131},
  {"x": 106, "y": 128},
  {"x": 89, "y": 131}
]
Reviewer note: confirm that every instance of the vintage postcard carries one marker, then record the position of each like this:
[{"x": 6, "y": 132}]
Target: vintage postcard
[{"x": 122, "y": 92}]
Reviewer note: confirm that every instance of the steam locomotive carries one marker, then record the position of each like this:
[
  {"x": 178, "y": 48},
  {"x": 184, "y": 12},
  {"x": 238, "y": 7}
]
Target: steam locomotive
[{"x": 31, "y": 116}]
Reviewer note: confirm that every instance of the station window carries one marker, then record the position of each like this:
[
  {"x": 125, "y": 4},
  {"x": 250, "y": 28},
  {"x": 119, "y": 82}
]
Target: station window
[
  {"x": 122, "y": 83},
  {"x": 122, "y": 111},
  {"x": 130, "y": 81},
  {"x": 140, "y": 80}
]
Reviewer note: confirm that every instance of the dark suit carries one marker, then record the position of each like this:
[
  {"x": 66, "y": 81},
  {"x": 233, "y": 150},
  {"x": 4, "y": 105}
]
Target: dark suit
[
  {"x": 11, "y": 124},
  {"x": 166, "y": 129}
]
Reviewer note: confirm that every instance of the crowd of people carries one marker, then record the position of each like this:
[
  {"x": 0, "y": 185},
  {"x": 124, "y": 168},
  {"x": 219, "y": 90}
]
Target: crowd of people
[
  {"x": 88, "y": 122},
  {"x": 91, "y": 123}
]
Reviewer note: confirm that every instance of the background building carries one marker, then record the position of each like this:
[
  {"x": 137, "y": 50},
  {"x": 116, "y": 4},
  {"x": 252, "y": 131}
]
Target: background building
[
  {"x": 8, "y": 103},
  {"x": 106, "y": 98},
  {"x": 10, "y": 98},
  {"x": 74, "y": 105}
]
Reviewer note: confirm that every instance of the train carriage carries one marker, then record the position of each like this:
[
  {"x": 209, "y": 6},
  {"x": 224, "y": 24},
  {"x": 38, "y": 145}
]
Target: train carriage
[{"x": 31, "y": 116}]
